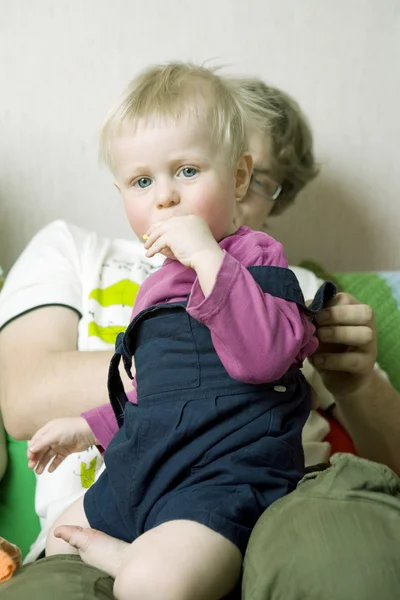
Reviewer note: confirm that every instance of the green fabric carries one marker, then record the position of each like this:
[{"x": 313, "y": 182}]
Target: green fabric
[
  {"x": 18, "y": 521},
  {"x": 60, "y": 577},
  {"x": 336, "y": 537}
]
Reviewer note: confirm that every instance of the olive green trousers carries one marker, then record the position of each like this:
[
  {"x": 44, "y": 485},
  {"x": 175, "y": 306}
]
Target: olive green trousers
[{"x": 336, "y": 537}]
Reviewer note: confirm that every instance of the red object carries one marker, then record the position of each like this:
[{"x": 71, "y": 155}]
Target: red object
[{"x": 338, "y": 437}]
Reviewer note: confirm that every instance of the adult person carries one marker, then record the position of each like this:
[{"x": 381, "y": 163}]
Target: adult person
[
  {"x": 362, "y": 399},
  {"x": 50, "y": 295},
  {"x": 60, "y": 302}
]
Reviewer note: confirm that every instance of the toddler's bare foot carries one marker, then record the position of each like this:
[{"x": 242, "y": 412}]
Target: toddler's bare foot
[{"x": 95, "y": 548}]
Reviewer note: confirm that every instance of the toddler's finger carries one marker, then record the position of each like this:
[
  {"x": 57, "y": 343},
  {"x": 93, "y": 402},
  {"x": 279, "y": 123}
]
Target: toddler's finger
[
  {"x": 39, "y": 441},
  {"x": 44, "y": 461},
  {"x": 37, "y": 454},
  {"x": 68, "y": 534},
  {"x": 46, "y": 437},
  {"x": 29, "y": 453},
  {"x": 153, "y": 227},
  {"x": 150, "y": 237},
  {"x": 159, "y": 245},
  {"x": 56, "y": 462},
  {"x": 34, "y": 444},
  {"x": 33, "y": 457}
]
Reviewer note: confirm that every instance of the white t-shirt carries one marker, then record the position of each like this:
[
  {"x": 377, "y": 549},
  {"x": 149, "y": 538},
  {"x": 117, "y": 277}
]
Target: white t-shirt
[{"x": 99, "y": 278}]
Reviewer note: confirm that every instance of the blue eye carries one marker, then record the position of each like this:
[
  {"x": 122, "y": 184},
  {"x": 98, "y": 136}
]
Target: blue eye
[
  {"x": 143, "y": 182},
  {"x": 188, "y": 172}
]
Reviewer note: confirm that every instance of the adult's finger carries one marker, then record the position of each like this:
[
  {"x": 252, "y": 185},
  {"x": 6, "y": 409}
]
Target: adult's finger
[
  {"x": 350, "y": 362},
  {"x": 346, "y": 314},
  {"x": 346, "y": 334},
  {"x": 343, "y": 298}
]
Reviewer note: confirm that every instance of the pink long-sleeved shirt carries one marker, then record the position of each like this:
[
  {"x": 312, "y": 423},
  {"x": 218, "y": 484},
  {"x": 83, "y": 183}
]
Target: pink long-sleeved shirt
[{"x": 258, "y": 337}]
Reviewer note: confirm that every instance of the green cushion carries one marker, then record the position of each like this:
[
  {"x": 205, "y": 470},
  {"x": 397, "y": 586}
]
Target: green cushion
[{"x": 18, "y": 521}]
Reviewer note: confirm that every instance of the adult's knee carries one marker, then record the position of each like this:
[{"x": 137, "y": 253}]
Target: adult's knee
[{"x": 336, "y": 537}]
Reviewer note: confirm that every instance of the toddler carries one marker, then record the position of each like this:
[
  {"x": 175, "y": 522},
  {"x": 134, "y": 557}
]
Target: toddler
[{"x": 210, "y": 435}]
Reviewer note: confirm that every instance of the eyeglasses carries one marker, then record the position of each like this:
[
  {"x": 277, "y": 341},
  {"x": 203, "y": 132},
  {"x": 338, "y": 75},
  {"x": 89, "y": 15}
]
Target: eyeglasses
[{"x": 266, "y": 187}]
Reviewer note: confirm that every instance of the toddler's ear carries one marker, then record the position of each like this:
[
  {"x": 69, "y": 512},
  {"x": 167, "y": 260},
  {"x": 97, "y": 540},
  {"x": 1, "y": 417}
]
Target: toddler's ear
[{"x": 244, "y": 171}]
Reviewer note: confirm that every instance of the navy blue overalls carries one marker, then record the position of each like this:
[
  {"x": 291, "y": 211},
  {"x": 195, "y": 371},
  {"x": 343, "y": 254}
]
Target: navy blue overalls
[{"x": 199, "y": 445}]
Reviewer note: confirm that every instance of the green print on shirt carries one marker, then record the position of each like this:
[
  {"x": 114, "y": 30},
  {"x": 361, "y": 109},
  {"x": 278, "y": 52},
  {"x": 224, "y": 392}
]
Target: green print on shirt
[
  {"x": 122, "y": 293},
  {"x": 107, "y": 334}
]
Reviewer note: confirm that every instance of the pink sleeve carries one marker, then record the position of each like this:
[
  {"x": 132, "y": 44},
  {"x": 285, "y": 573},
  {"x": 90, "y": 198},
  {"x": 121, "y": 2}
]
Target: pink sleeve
[
  {"x": 270, "y": 334},
  {"x": 102, "y": 421}
]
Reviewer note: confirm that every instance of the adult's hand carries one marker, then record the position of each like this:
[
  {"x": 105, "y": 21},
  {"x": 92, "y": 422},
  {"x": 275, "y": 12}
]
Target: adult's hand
[
  {"x": 347, "y": 352},
  {"x": 367, "y": 404}
]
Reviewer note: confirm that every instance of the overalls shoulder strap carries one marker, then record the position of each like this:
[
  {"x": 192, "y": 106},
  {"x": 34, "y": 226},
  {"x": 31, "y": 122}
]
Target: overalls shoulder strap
[{"x": 115, "y": 386}]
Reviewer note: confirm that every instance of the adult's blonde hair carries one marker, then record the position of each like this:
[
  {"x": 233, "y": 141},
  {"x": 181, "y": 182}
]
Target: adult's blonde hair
[
  {"x": 293, "y": 162},
  {"x": 174, "y": 91}
]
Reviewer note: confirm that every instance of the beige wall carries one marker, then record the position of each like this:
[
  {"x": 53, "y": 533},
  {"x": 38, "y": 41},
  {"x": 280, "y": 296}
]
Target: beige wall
[{"x": 63, "y": 62}]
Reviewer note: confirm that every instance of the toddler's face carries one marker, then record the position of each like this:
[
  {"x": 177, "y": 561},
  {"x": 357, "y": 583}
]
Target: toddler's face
[{"x": 170, "y": 169}]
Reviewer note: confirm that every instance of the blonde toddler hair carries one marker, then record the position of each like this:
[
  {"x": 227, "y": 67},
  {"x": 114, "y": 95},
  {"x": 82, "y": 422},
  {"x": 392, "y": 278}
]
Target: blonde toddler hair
[{"x": 174, "y": 91}]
